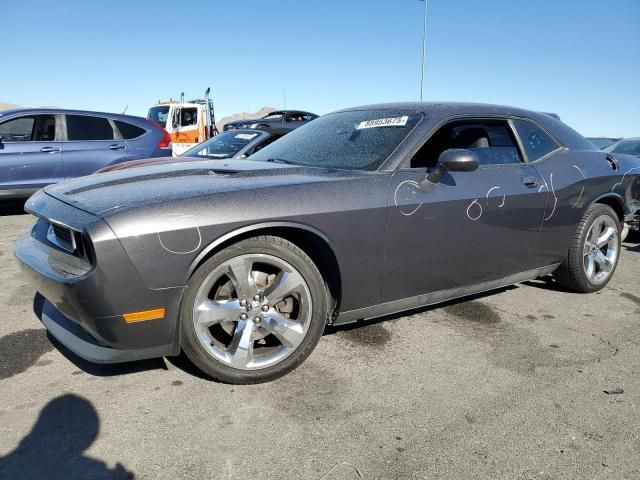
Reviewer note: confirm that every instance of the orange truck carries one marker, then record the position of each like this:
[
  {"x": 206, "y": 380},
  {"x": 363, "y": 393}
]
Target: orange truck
[{"x": 188, "y": 123}]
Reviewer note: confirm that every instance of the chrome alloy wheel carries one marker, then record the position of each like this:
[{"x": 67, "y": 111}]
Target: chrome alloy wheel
[
  {"x": 252, "y": 311},
  {"x": 601, "y": 249}
]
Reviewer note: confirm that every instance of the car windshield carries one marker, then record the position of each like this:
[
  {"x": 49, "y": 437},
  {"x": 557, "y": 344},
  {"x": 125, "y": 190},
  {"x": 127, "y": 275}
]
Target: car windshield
[
  {"x": 630, "y": 147},
  {"x": 159, "y": 115},
  {"x": 272, "y": 116},
  {"x": 354, "y": 140},
  {"x": 224, "y": 145}
]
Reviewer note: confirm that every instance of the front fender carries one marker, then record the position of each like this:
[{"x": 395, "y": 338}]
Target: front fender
[{"x": 205, "y": 252}]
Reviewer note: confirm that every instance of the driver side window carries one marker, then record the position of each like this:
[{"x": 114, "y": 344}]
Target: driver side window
[
  {"x": 491, "y": 140},
  {"x": 35, "y": 128},
  {"x": 188, "y": 116}
]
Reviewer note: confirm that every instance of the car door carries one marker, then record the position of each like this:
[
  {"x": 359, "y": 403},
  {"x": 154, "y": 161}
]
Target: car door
[
  {"x": 471, "y": 227},
  {"x": 90, "y": 143},
  {"x": 572, "y": 180},
  {"x": 30, "y": 154}
]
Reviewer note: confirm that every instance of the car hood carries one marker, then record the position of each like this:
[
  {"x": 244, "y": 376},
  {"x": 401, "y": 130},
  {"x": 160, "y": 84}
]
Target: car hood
[
  {"x": 141, "y": 163},
  {"x": 137, "y": 187}
]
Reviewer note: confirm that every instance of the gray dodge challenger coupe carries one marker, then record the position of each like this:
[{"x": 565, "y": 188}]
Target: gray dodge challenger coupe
[{"x": 361, "y": 213}]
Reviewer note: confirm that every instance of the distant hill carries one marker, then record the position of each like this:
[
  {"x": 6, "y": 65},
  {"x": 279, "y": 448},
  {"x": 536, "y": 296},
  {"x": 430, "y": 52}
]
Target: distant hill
[
  {"x": 239, "y": 116},
  {"x": 7, "y": 106}
]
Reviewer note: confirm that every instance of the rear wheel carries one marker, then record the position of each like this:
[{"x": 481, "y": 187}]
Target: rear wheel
[
  {"x": 253, "y": 311},
  {"x": 593, "y": 255}
]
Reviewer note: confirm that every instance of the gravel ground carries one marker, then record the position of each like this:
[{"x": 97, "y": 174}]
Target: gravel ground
[{"x": 504, "y": 385}]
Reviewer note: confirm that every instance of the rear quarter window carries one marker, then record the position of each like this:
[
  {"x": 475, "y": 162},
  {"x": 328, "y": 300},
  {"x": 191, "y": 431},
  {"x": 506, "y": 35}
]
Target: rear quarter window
[
  {"x": 536, "y": 142},
  {"x": 85, "y": 127},
  {"x": 129, "y": 131}
]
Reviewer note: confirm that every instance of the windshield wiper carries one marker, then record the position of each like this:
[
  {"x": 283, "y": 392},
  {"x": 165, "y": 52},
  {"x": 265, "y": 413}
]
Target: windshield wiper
[{"x": 281, "y": 160}]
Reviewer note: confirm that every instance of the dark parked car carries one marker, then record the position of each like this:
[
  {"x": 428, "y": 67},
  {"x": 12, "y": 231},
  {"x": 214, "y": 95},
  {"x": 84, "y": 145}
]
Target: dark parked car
[
  {"x": 43, "y": 146},
  {"x": 602, "y": 142},
  {"x": 232, "y": 144},
  {"x": 288, "y": 119},
  {"x": 361, "y": 213},
  {"x": 629, "y": 146}
]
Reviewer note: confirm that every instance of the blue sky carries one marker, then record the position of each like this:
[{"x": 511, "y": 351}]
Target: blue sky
[{"x": 579, "y": 58}]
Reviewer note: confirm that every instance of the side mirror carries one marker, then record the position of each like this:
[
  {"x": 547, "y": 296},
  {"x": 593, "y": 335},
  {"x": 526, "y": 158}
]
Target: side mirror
[
  {"x": 454, "y": 160},
  {"x": 459, "y": 160}
]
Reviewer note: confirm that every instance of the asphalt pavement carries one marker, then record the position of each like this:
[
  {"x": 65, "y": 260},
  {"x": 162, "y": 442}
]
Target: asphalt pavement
[{"x": 510, "y": 384}]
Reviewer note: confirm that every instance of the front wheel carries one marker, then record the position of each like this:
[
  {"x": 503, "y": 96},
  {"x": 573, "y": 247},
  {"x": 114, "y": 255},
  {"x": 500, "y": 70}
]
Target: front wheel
[
  {"x": 593, "y": 255},
  {"x": 253, "y": 311}
]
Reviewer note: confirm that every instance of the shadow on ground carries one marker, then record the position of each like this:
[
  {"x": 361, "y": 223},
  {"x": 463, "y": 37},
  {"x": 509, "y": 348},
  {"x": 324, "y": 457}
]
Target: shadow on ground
[
  {"x": 11, "y": 207},
  {"x": 547, "y": 283},
  {"x": 331, "y": 329},
  {"x": 632, "y": 246},
  {"x": 55, "y": 448},
  {"x": 107, "y": 370},
  {"x": 183, "y": 363}
]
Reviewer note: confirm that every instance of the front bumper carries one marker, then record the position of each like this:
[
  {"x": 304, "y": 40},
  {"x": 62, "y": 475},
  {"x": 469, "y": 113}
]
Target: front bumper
[
  {"x": 83, "y": 302},
  {"x": 71, "y": 335}
]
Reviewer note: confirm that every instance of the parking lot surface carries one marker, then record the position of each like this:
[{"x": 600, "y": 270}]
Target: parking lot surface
[{"x": 510, "y": 384}]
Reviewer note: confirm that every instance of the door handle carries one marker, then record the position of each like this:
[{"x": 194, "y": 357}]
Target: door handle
[
  {"x": 530, "y": 182},
  {"x": 116, "y": 147},
  {"x": 49, "y": 149}
]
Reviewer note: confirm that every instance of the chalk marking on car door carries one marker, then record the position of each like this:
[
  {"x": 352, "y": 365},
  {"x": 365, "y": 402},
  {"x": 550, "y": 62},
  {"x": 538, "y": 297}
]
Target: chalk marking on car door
[
  {"x": 504, "y": 196},
  {"x": 469, "y": 209}
]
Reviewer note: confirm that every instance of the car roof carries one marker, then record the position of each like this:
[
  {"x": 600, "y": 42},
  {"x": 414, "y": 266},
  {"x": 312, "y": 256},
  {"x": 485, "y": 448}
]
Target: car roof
[
  {"x": 245, "y": 130},
  {"x": 265, "y": 132},
  {"x": 567, "y": 137},
  {"x": 476, "y": 108},
  {"x": 285, "y": 112},
  {"x": 35, "y": 111}
]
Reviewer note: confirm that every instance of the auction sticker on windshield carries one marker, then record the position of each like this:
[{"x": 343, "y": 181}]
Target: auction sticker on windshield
[
  {"x": 384, "y": 122},
  {"x": 246, "y": 136}
]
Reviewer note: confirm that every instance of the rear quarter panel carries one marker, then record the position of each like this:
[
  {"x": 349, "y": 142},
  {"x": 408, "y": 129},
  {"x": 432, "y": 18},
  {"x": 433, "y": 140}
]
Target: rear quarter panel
[
  {"x": 146, "y": 145},
  {"x": 575, "y": 180}
]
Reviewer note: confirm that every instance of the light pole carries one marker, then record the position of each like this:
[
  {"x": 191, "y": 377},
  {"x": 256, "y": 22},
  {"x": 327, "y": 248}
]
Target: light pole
[{"x": 424, "y": 47}]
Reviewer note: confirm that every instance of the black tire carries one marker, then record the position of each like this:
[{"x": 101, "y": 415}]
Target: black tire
[
  {"x": 277, "y": 247},
  {"x": 571, "y": 274}
]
